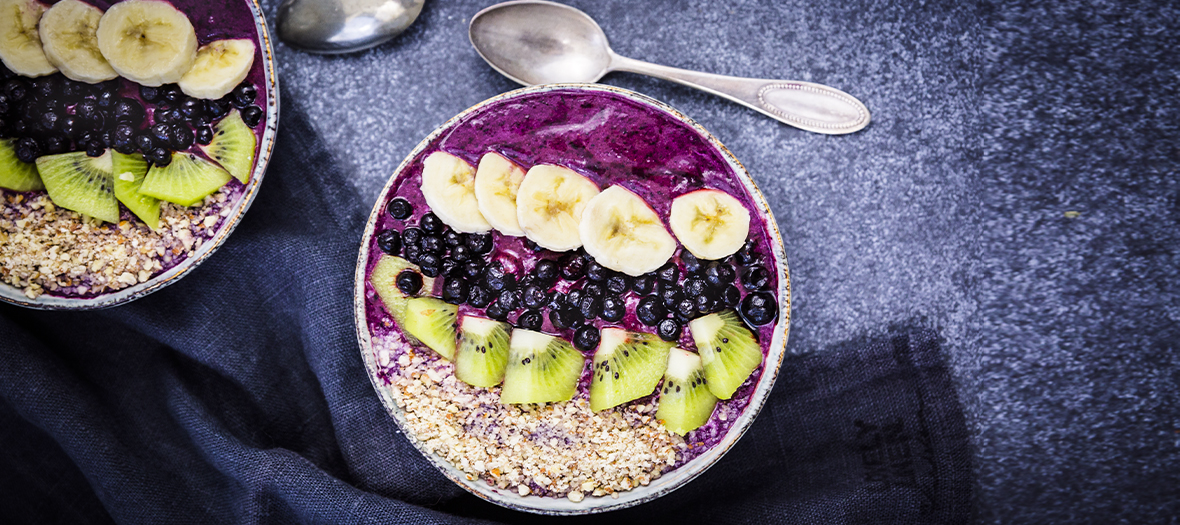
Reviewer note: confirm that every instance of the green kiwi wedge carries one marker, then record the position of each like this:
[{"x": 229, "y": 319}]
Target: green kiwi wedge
[
  {"x": 81, "y": 183},
  {"x": 627, "y": 366},
  {"x": 482, "y": 355},
  {"x": 130, "y": 170},
  {"x": 16, "y": 174},
  {"x": 686, "y": 402},
  {"x": 432, "y": 322},
  {"x": 384, "y": 279},
  {"x": 186, "y": 181},
  {"x": 728, "y": 351},
  {"x": 541, "y": 369},
  {"x": 233, "y": 146}
]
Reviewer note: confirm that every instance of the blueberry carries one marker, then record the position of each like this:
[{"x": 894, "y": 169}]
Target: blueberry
[
  {"x": 586, "y": 338},
  {"x": 497, "y": 278},
  {"x": 412, "y": 252},
  {"x": 618, "y": 284},
  {"x": 252, "y": 116},
  {"x": 685, "y": 310},
  {"x": 718, "y": 274},
  {"x": 695, "y": 286},
  {"x": 479, "y": 297},
  {"x": 216, "y": 109},
  {"x": 546, "y": 272},
  {"x": 243, "y": 95},
  {"x": 431, "y": 264},
  {"x": 106, "y": 138},
  {"x": 45, "y": 87},
  {"x": 27, "y": 149},
  {"x": 159, "y": 157},
  {"x": 192, "y": 109},
  {"x": 497, "y": 311},
  {"x": 561, "y": 318},
  {"x": 390, "y": 241},
  {"x": 573, "y": 267},
  {"x": 5, "y": 104},
  {"x": 172, "y": 93},
  {"x": 650, "y": 310},
  {"x": 159, "y": 133},
  {"x": 144, "y": 142},
  {"x": 124, "y": 146},
  {"x": 409, "y": 282},
  {"x": 574, "y": 297},
  {"x": 450, "y": 267},
  {"x": 530, "y": 320},
  {"x": 55, "y": 144},
  {"x": 479, "y": 243},
  {"x": 180, "y": 136},
  {"x": 49, "y": 120},
  {"x": 124, "y": 131},
  {"x": 590, "y": 306},
  {"x": 643, "y": 284},
  {"x": 399, "y": 209},
  {"x": 95, "y": 150},
  {"x": 759, "y": 308},
  {"x": 535, "y": 296},
  {"x": 149, "y": 93},
  {"x": 460, "y": 253},
  {"x": 705, "y": 304},
  {"x": 730, "y": 296},
  {"x": 16, "y": 89},
  {"x": 669, "y": 330},
  {"x": 613, "y": 309},
  {"x": 433, "y": 244},
  {"x": 596, "y": 272},
  {"x": 128, "y": 110},
  {"x": 174, "y": 116},
  {"x": 510, "y": 299},
  {"x": 412, "y": 236},
  {"x": 453, "y": 238},
  {"x": 430, "y": 223},
  {"x": 691, "y": 263},
  {"x": 204, "y": 135},
  {"x": 668, "y": 272},
  {"x": 455, "y": 290},
  {"x": 72, "y": 91},
  {"x": 592, "y": 289},
  {"x": 670, "y": 294},
  {"x": 473, "y": 269},
  {"x": 755, "y": 278}
]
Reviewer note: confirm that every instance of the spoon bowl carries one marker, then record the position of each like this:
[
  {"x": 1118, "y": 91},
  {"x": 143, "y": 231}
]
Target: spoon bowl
[
  {"x": 343, "y": 26},
  {"x": 540, "y": 42}
]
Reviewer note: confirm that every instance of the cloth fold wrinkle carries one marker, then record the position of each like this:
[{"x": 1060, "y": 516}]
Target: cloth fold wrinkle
[{"x": 238, "y": 395}]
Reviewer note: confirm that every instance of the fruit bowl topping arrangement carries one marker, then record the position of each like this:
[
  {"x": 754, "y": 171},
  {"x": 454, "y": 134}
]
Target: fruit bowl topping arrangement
[
  {"x": 569, "y": 294},
  {"x": 127, "y": 136}
]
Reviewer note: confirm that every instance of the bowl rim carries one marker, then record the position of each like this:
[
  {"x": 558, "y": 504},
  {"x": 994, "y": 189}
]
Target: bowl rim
[
  {"x": 11, "y": 294},
  {"x": 641, "y": 494}
]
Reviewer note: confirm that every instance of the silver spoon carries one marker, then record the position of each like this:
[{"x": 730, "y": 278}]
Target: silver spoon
[
  {"x": 539, "y": 42},
  {"x": 343, "y": 26}
]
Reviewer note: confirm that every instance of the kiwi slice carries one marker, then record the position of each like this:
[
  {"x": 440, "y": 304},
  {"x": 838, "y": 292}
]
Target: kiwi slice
[
  {"x": 81, "y": 183},
  {"x": 432, "y": 321},
  {"x": 483, "y": 351},
  {"x": 16, "y": 174},
  {"x": 186, "y": 181},
  {"x": 384, "y": 279},
  {"x": 686, "y": 402},
  {"x": 541, "y": 368},
  {"x": 728, "y": 351},
  {"x": 627, "y": 366},
  {"x": 130, "y": 170},
  {"x": 233, "y": 146}
]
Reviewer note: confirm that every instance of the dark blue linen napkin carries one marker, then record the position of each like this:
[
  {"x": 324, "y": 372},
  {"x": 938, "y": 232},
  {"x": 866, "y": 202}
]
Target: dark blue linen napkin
[{"x": 238, "y": 395}]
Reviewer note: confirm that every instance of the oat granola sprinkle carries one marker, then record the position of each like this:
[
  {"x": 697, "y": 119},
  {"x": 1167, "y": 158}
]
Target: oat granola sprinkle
[{"x": 555, "y": 449}]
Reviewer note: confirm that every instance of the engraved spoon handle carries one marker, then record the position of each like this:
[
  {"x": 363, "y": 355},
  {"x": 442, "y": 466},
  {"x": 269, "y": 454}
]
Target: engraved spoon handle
[{"x": 805, "y": 105}]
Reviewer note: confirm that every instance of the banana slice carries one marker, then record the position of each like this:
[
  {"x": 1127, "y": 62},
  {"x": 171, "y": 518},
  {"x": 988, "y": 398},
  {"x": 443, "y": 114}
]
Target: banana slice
[
  {"x": 710, "y": 223},
  {"x": 496, "y": 182},
  {"x": 549, "y": 205},
  {"x": 221, "y": 65},
  {"x": 147, "y": 41},
  {"x": 68, "y": 34},
  {"x": 624, "y": 234},
  {"x": 20, "y": 43},
  {"x": 448, "y": 184}
]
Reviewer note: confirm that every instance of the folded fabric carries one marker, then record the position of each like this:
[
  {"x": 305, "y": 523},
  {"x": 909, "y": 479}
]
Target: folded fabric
[{"x": 238, "y": 395}]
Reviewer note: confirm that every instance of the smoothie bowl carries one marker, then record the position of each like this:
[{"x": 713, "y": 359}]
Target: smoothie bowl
[
  {"x": 133, "y": 136},
  {"x": 572, "y": 299}
]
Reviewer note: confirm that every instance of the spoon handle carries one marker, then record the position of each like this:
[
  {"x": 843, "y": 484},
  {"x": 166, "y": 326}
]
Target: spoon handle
[{"x": 805, "y": 105}]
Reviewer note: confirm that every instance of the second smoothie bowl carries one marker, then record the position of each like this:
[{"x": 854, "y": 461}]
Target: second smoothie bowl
[{"x": 572, "y": 299}]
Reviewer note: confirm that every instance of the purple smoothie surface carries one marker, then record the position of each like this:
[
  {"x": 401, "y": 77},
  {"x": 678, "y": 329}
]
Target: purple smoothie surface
[{"x": 612, "y": 140}]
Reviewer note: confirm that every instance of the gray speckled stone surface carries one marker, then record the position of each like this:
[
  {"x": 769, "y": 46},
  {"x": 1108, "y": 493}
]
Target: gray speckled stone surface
[{"x": 1017, "y": 191}]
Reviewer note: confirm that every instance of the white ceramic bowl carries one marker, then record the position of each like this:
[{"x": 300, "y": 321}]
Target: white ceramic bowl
[
  {"x": 270, "y": 85},
  {"x": 664, "y": 484}
]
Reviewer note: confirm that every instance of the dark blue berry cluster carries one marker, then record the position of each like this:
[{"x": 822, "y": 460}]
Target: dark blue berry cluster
[{"x": 53, "y": 114}]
